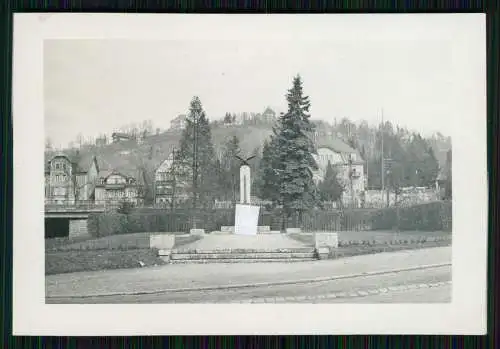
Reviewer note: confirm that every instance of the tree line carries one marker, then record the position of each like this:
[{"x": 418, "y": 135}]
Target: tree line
[{"x": 283, "y": 170}]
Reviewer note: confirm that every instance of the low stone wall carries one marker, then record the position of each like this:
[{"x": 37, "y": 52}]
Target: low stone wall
[
  {"x": 324, "y": 242},
  {"x": 163, "y": 243},
  {"x": 78, "y": 228},
  {"x": 197, "y": 232}
]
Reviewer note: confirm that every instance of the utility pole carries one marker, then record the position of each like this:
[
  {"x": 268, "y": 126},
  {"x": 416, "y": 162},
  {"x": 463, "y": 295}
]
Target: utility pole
[
  {"x": 350, "y": 180},
  {"x": 382, "y": 172},
  {"x": 173, "y": 172},
  {"x": 195, "y": 166}
]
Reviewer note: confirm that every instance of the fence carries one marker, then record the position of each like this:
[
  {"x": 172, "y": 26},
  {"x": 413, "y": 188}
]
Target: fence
[
  {"x": 87, "y": 205},
  {"x": 429, "y": 217}
]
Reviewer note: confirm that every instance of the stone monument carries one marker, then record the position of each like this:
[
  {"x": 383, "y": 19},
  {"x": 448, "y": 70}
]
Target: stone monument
[{"x": 246, "y": 215}]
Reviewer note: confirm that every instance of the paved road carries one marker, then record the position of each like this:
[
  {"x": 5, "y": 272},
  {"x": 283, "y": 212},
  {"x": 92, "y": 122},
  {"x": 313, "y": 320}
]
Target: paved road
[
  {"x": 158, "y": 279},
  {"x": 426, "y": 285}
]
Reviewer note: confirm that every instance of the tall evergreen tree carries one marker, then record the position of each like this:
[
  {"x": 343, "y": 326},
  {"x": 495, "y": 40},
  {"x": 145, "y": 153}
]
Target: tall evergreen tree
[
  {"x": 297, "y": 189},
  {"x": 330, "y": 188},
  {"x": 197, "y": 155},
  {"x": 231, "y": 167},
  {"x": 268, "y": 178},
  {"x": 448, "y": 194}
]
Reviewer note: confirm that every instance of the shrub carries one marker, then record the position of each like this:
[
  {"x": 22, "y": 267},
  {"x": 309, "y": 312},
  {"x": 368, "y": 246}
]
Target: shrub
[
  {"x": 106, "y": 224},
  {"x": 427, "y": 217}
]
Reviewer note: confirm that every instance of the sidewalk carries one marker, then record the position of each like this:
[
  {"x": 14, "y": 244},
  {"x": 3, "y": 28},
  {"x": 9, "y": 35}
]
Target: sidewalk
[{"x": 156, "y": 279}]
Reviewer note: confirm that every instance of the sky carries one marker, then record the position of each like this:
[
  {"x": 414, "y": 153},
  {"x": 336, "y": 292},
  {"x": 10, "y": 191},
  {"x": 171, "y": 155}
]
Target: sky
[{"x": 423, "y": 82}]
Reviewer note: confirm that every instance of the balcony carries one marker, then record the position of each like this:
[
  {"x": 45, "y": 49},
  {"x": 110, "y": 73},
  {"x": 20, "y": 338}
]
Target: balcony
[
  {"x": 113, "y": 186},
  {"x": 71, "y": 205}
]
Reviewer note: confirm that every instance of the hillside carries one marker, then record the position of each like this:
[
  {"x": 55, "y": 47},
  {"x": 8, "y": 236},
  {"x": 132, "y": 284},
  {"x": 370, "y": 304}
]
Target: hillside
[{"x": 128, "y": 156}]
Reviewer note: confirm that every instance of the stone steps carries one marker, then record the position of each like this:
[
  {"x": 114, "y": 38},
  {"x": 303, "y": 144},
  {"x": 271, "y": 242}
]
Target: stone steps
[
  {"x": 245, "y": 250},
  {"x": 241, "y": 260},
  {"x": 242, "y": 255},
  {"x": 261, "y": 229},
  {"x": 269, "y": 255}
]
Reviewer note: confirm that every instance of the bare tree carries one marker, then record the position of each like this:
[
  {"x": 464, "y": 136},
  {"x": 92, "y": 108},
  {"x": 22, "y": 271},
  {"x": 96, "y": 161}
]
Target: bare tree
[
  {"x": 79, "y": 139},
  {"x": 48, "y": 144}
]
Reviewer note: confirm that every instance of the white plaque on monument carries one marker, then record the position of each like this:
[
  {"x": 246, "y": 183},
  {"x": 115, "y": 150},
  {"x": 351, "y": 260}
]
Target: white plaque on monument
[{"x": 246, "y": 220}]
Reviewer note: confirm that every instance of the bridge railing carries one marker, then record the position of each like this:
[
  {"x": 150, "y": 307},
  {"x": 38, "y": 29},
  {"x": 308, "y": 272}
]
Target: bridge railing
[{"x": 52, "y": 205}]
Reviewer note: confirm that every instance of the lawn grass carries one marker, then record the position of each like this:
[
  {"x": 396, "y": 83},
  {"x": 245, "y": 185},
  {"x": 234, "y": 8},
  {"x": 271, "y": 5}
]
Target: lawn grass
[
  {"x": 357, "y": 250},
  {"x": 112, "y": 242},
  {"x": 92, "y": 260},
  {"x": 63, "y": 255},
  {"x": 376, "y": 236}
]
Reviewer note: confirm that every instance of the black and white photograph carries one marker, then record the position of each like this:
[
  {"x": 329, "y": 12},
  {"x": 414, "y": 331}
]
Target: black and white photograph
[{"x": 321, "y": 164}]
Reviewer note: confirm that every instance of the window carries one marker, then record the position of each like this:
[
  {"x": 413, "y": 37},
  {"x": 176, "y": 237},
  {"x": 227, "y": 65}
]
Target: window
[{"x": 58, "y": 166}]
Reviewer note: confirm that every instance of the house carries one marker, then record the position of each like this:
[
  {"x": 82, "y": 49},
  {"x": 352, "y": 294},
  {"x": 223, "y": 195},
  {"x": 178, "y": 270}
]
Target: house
[
  {"x": 116, "y": 186},
  {"x": 70, "y": 178},
  {"x": 179, "y": 123},
  {"x": 269, "y": 115},
  {"x": 346, "y": 160},
  {"x": 168, "y": 185},
  {"x": 444, "y": 176},
  {"x": 118, "y": 136},
  {"x": 101, "y": 141}
]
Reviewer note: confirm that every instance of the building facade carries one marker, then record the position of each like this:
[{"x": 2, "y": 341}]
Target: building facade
[
  {"x": 269, "y": 115},
  {"x": 118, "y": 137},
  {"x": 348, "y": 164},
  {"x": 69, "y": 180},
  {"x": 115, "y": 187},
  {"x": 167, "y": 184},
  {"x": 179, "y": 123}
]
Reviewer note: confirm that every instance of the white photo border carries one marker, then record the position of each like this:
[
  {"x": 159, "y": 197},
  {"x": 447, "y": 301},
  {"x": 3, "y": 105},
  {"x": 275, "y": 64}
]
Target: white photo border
[{"x": 466, "y": 314}]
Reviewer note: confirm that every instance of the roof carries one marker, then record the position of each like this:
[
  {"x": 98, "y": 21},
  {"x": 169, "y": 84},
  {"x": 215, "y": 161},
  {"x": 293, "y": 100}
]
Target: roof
[
  {"x": 179, "y": 117},
  {"x": 334, "y": 144},
  {"x": 81, "y": 161},
  {"x": 121, "y": 134},
  {"x": 269, "y": 111}
]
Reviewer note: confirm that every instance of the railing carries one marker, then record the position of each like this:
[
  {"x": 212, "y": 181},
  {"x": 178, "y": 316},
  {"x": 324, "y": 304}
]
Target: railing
[{"x": 54, "y": 205}]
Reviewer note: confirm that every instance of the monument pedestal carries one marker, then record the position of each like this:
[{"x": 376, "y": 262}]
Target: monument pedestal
[{"x": 246, "y": 219}]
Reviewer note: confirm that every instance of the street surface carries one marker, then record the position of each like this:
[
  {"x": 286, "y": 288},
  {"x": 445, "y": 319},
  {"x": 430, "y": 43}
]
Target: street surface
[
  {"x": 182, "y": 283},
  {"x": 422, "y": 286}
]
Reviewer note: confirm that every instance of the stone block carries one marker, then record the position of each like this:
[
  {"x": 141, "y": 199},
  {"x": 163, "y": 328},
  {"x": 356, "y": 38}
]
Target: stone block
[
  {"x": 161, "y": 241},
  {"x": 78, "y": 228},
  {"x": 293, "y": 230},
  {"x": 227, "y": 229},
  {"x": 269, "y": 232},
  {"x": 197, "y": 232},
  {"x": 246, "y": 219},
  {"x": 326, "y": 239},
  {"x": 323, "y": 252},
  {"x": 263, "y": 228}
]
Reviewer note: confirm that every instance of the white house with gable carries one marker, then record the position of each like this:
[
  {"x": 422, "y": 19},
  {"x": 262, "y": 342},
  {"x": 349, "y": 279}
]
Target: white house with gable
[{"x": 346, "y": 160}]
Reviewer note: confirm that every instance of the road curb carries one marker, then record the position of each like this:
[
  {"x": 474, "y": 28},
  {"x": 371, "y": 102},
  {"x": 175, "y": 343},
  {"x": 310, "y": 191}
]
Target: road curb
[
  {"x": 258, "y": 284},
  {"x": 341, "y": 295}
]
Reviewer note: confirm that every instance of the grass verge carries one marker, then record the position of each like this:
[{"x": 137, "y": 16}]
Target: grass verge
[
  {"x": 73, "y": 261},
  {"x": 360, "y": 249}
]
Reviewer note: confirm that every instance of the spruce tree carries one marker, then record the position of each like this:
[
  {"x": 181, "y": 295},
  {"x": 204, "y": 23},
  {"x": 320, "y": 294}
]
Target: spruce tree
[
  {"x": 196, "y": 155},
  {"x": 330, "y": 187},
  {"x": 297, "y": 189},
  {"x": 268, "y": 179},
  {"x": 231, "y": 167}
]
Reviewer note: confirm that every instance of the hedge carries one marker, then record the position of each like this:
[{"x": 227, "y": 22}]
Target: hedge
[
  {"x": 429, "y": 217},
  {"x": 106, "y": 224},
  {"x": 425, "y": 217}
]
